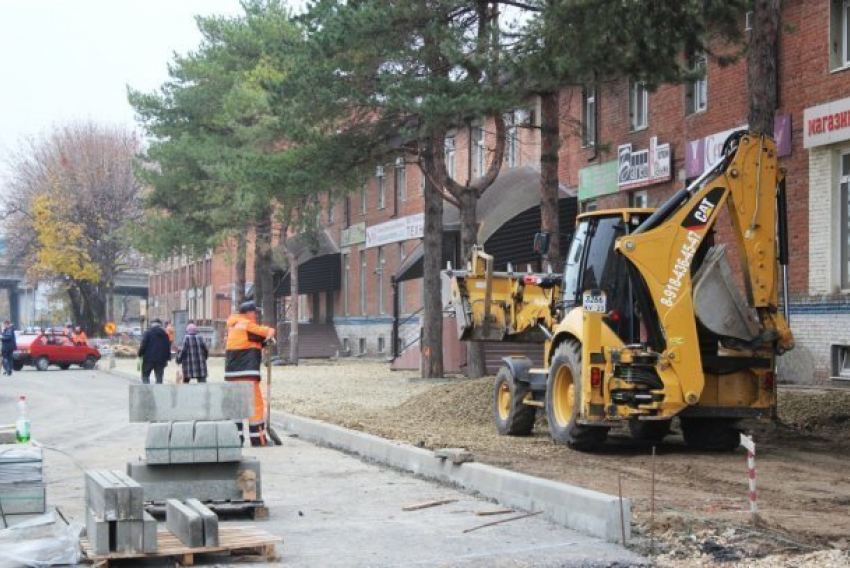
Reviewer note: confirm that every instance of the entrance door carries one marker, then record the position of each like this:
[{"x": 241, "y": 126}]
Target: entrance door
[{"x": 316, "y": 315}]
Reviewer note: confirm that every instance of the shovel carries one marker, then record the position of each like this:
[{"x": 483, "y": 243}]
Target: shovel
[{"x": 269, "y": 430}]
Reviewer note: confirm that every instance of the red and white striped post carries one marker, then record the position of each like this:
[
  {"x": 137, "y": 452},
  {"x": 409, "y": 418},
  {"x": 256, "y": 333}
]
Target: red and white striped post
[{"x": 748, "y": 443}]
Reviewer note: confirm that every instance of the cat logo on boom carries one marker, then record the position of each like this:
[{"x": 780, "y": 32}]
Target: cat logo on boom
[{"x": 699, "y": 216}]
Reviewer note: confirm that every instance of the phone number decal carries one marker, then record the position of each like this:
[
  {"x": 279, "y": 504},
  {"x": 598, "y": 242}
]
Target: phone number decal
[{"x": 680, "y": 269}]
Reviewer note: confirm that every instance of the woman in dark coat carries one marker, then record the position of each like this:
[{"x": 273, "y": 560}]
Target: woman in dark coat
[{"x": 192, "y": 355}]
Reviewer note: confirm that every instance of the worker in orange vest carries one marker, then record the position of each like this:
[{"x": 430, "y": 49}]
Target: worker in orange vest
[
  {"x": 79, "y": 337},
  {"x": 244, "y": 357}
]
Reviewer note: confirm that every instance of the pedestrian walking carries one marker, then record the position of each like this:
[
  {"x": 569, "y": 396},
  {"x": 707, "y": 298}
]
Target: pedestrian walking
[
  {"x": 8, "y": 346},
  {"x": 192, "y": 355},
  {"x": 244, "y": 357},
  {"x": 155, "y": 352}
]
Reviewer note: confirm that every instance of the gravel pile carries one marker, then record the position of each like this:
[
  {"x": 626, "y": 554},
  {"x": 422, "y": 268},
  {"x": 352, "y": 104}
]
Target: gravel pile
[{"x": 807, "y": 410}]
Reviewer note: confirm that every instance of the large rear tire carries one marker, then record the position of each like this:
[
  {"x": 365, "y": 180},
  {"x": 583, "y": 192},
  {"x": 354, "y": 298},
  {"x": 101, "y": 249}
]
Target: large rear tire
[
  {"x": 711, "y": 434},
  {"x": 512, "y": 416},
  {"x": 563, "y": 401},
  {"x": 649, "y": 430}
]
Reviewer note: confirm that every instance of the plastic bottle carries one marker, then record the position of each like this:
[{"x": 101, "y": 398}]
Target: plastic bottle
[{"x": 22, "y": 429}]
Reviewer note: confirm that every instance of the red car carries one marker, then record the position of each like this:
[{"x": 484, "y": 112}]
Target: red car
[{"x": 47, "y": 349}]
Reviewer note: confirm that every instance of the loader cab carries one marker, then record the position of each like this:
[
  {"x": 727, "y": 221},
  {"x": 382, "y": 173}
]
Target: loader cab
[{"x": 592, "y": 264}]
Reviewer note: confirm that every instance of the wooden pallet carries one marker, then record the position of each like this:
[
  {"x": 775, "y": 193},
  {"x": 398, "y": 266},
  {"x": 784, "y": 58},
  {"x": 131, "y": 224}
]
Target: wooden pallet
[
  {"x": 255, "y": 510},
  {"x": 242, "y": 541}
]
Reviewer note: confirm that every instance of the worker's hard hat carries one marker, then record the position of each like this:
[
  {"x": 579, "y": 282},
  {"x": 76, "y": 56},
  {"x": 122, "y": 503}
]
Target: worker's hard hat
[{"x": 247, "y": 307}]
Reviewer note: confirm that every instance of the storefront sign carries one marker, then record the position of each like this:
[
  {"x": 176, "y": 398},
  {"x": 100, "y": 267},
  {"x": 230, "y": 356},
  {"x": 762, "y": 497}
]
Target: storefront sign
[
  {"x": 353, "y": 235},
  {"x": 411, "y": 227},
  {"x": 703, "y": 153},
  {"x": 597, "y": 180},
  {"x": 646, "y": 167},
  {"x": 826, "y": 124}
]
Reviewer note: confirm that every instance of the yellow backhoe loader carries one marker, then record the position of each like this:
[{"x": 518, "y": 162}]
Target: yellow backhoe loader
[{"x": 648, "y": 321}]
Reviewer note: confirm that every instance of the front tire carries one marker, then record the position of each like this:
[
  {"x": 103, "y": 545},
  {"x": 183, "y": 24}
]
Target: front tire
[
  {"x": 17, "y": 366},
  {"x": 563, "y": 401},
  {"x": 42, "y": 363},
  {"x": 711, "y": 434},
  {"x": 512, "y": 416},
  {"x": 89, "y": 363}
]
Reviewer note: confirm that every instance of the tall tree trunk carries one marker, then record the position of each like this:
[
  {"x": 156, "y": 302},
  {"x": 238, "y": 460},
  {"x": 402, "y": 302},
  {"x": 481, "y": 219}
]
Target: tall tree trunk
[
  {"x": 469, "y": 238},
  {"x": 263, "y": 268},
  {"x": 295, "y": 310},
  {"x": 241, "y": 269},
  {"x": 432, "y": 302},
  {"x": 762, "y": 65},
  {"x": 549, "y": 146}
]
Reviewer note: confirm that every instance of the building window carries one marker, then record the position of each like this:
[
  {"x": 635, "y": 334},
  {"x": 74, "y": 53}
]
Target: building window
[
  {"x": 844, "y": 224},
  {"x": 400, "y": 288},
  {"x": 511, "y": 141},
  {"x": 363, "y": 282},
  {"x": 379, "y": 270},
  {"x": 362, "y": 346},
  {"x": 478, "y": 151},
  {"x": 589, "y": 205},
  {"x": 421, "y": 181},
  {"x": 381, "y": 344},
  {"x": 696, "y": 91},
  {"x": 346, "y": 204},
  {"x": 588, "y": 117},
  {"x": 382, "y": 189},
  {"x": 840, "y": 362},
  {"x": 639, "y": 199},
  {"x": 330, "y": 210},
  {"x": 839, "y": 33},
  {"x": 346, "y": 345},
  {"x": 346, "y": 282},
  {"x": 450, "y": 155},
  {"x": 363, "y": 201},
  {"x": 400, "y": 180},
  {"x": 638, "y": 99}
]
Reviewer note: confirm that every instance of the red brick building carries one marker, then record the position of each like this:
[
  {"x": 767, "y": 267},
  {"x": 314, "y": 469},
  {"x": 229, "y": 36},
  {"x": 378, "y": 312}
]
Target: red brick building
[{"x": 676, "y": 128}]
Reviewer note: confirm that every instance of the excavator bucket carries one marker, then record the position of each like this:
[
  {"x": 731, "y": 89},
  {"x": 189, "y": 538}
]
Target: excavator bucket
[{"x": 718, "y": 302}]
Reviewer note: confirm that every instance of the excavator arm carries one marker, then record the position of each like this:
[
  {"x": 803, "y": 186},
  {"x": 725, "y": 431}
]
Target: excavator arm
[{"x": 663, "y": 249}]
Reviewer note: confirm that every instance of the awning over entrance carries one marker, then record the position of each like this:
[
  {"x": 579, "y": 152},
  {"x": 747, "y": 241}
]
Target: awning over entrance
[
  {"x": 508, "y": 218},
  {"x": 318, "y": 265}
]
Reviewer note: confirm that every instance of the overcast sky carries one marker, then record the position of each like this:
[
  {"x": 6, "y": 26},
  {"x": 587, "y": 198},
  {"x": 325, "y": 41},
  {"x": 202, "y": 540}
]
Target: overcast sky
[{"x": 68, "y": 60}]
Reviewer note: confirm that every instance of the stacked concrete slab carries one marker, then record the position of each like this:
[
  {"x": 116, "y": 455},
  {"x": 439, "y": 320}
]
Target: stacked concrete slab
[
  {"x": 116, "y": 520},
  {"x": 189, "y": 425},
  {"x": 22, "y": 488},
  {"x": 192, "y": 523}
]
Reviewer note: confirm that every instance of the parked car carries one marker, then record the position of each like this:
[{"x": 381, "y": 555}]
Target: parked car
[{"x": 47, "y": 349}]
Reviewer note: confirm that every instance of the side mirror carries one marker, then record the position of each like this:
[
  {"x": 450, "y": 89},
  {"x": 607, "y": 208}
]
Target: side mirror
[{"x": 541, "y": 243}]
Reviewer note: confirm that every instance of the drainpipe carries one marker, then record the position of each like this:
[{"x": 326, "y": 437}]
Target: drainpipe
[{"x": 396, "y": 315}]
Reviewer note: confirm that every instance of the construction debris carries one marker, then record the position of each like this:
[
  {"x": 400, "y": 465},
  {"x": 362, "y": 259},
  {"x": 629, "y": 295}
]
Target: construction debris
[
  {"x": 428, "y": 504},
  {"x": 455, "y": 455},
  {"x": 46, "y": 540},
  {"x": 502, "y": 521}
]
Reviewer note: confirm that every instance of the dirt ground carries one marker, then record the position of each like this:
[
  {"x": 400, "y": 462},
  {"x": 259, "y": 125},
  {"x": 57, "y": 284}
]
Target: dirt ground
[{"x": 803, "y": 463}]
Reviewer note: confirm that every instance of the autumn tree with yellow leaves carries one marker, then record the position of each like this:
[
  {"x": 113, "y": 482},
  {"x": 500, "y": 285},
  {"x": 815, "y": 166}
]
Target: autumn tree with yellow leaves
[{"x": 70, "y": 206}]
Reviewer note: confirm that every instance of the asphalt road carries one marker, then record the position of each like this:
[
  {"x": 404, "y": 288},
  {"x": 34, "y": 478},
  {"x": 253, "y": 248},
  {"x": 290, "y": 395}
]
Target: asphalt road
[{"x": 331, "y": 509}]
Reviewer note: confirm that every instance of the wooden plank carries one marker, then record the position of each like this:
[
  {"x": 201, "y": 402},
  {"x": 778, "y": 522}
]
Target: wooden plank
[
  {"x": 428, "y": 504},
  {"x": 499, "y": 522},
  {"x": 493, "y": 512},
  {"x": 230, "y": 539}
]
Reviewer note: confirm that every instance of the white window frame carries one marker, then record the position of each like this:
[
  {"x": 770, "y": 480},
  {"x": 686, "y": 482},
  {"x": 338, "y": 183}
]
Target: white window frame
[
  {"x": 638, "y": 106},
  {"x": 843, "y": 232},
  {"x": 589, "y": 205},
  {"x": 511, "y": 140},
  {"x": 840, "y": 359},
  {"x": 400, "y": 179},
  {"x": 639, "y": 199},
  {"x": 363, "y": 265},
  {"x": 380, "y": 261},
  {"x": 346, "y": 282},
  {"x": 588, "y": 118},
  {"x": 400, "y": 289},
  {"x": 697, "y": 90},
  {"x": 382, "y": 187},
  {"x": 364, "y": 201},
  {"x": 450, "y": 155},
  {"x": 845, "y": 33},
  {"x": 478, "y": 151},
  {"x": 330, "y": 210}
]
